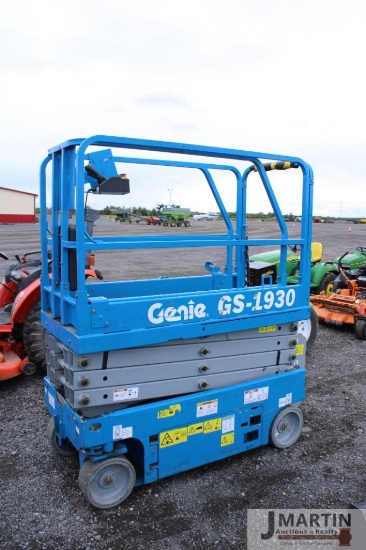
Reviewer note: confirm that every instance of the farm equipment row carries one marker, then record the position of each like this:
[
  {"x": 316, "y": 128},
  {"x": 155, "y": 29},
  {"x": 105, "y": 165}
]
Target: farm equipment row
[
  {"x": 346, "y": 305},
  {"x": 323, "y": 274},
  {"x": 172, "y": 216}
]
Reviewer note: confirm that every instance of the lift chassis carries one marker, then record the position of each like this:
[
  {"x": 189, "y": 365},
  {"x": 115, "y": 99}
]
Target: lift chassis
[{"x": 147, "y": 378}]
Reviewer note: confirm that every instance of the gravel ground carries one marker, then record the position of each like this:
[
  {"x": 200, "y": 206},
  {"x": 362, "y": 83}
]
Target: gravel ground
[{"x": 41, "y": 506}]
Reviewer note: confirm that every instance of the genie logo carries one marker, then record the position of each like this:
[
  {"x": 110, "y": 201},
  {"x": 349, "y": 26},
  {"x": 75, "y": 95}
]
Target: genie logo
[{"x": 157, "y": 314}]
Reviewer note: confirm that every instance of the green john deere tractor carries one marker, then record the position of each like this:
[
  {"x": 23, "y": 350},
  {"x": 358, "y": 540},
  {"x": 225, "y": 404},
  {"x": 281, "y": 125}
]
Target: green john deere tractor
[{"x": 322, "y": 274}]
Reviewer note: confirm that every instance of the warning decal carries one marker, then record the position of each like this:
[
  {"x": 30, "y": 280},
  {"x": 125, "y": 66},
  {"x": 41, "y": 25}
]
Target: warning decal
[
  {"x": 173, "y": 437},
  {"x": 253, "y": 396},
  {"x": 207, "y": 408},
  {"x": 300, "y": 349},
  {"x": 194, "y": 429},
  {"x": 124, "y": 394},
  {"x": 270, "y": 328},
  {"x": 227, "y": 439},
  {"x": 212, "y": 425},
  {"x": 164, "y": 413}
]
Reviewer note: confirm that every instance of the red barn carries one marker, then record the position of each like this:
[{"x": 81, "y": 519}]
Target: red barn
[{"x": 17, "y": 206}]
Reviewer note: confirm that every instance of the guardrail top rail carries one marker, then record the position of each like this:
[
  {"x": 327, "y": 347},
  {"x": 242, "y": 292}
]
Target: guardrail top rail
[{"x": 119, "y": 314}]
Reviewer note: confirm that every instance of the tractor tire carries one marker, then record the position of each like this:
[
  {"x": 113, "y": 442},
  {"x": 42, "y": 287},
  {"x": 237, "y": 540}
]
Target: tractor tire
[
  {"x": 33, "y": 337},
  {"x": 326, "y": 284},
  {"x": 360, "y": 329},
  {"x": 173, "y": 223},
  {"x": 187, "y": 224}
]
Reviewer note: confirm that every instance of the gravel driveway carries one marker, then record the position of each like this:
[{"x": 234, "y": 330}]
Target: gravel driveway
[{"x": 41, "y": 506}]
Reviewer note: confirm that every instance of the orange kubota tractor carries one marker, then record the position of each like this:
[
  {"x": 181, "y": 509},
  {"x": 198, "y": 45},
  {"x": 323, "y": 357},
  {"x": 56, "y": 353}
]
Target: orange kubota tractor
[
  {"x": 346, "y": 305},
  {"x": 22, "y": 346},
  {"x": 21, "y": 334}
]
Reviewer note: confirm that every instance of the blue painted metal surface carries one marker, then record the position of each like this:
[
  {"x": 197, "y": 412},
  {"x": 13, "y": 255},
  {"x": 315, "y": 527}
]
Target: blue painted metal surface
[
  {"x": 173, "y": 435},
  {"x": 114, "y": 315}
]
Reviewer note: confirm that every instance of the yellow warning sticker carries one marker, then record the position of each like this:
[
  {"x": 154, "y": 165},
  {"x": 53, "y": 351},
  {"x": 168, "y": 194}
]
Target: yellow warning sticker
[
  {"x": 300, "y": 349},
  {"x": 227, "y": 439},
  {"x": 164, "y": 413},
  {"x": 194, "y": 429},
  {"x": 270, "y": 328},
  {"x": 173, "y": 437},
  {"x": 212, "y": 425}
]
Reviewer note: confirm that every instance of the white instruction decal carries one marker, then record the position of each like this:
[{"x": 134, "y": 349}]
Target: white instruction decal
[
  {"x": 207, "y": 408},
  {"x": 253, "y": 396},
  {"x": 51, "y": 400},
  {"x": 127, "y": 432},
  {"x": 123, "y": 394},
  {"x": 117, "y": 432},
  {"x": 283, "y": 401},
  {"x": 228, "y": 424}
]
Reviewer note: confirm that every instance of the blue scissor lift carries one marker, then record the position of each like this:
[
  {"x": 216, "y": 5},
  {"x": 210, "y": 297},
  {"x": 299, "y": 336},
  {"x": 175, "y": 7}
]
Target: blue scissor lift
[{"x": 147, "y": 378}]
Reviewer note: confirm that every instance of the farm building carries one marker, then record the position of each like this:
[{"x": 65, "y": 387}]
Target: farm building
[{"x": 17, "y": 206}]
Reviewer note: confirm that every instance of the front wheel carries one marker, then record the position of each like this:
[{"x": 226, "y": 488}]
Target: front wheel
[
  {"x": 108, "y": 482},
  {"x": 286, "y": 427},
  {"x": 326, "y": 284}
]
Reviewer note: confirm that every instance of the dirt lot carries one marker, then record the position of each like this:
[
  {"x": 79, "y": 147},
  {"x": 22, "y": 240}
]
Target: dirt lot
[{"x": 41, "y": 506}]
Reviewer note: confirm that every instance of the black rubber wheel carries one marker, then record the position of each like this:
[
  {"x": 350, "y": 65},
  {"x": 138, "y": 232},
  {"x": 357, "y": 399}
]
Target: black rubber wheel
[
  {"x": 33, "y": 337},
  {"x": 360, "y": 329},
  {"x": 286, "y": 427},
  {"x": 66, "y": 449},
  {"x": 187, "y": 224},
  {"x": 173, "y": 223},
  {"x": 108, "y": 482},
  {"x": 326, "y": 284}
]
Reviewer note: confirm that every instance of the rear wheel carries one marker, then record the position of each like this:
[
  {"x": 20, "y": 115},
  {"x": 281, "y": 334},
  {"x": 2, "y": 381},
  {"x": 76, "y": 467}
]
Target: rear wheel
[
  {"x": 326, "y": 284},
  {"x": 66, "y": 449},
  {"x": 360, "y": 329},
  {"x": 33, "y": 337},
  {"x": 173, "y": 223},
  {"x": 187, "y": 224}
]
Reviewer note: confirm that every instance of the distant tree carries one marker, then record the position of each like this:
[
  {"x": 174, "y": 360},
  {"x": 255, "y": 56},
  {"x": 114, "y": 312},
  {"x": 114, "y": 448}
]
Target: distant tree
[{"x": 106, "y": 211}]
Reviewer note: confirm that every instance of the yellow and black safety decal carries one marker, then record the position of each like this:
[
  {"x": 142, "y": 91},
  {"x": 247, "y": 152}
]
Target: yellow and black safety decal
[
  {"x": 270, "y": 328},
  {"x": 164, "y": 413},
  {"x": 227, "y": 439},
  {"x": 195, "y": 429},
  {"x": 212, "y": 425},
  {"x": 173, "y": 437},
  {"x": 300, "y": 349}
]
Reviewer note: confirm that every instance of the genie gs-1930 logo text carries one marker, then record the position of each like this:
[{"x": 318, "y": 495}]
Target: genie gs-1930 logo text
[{"x": 227, "y": 305}]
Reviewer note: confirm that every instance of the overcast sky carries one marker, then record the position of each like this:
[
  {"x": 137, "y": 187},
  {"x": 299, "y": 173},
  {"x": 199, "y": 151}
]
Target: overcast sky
[{"x": 278, "y": 76}]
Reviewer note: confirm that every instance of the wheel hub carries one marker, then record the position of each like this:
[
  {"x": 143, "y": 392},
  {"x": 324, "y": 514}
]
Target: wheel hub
[{"x": 107, "y": 480}]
